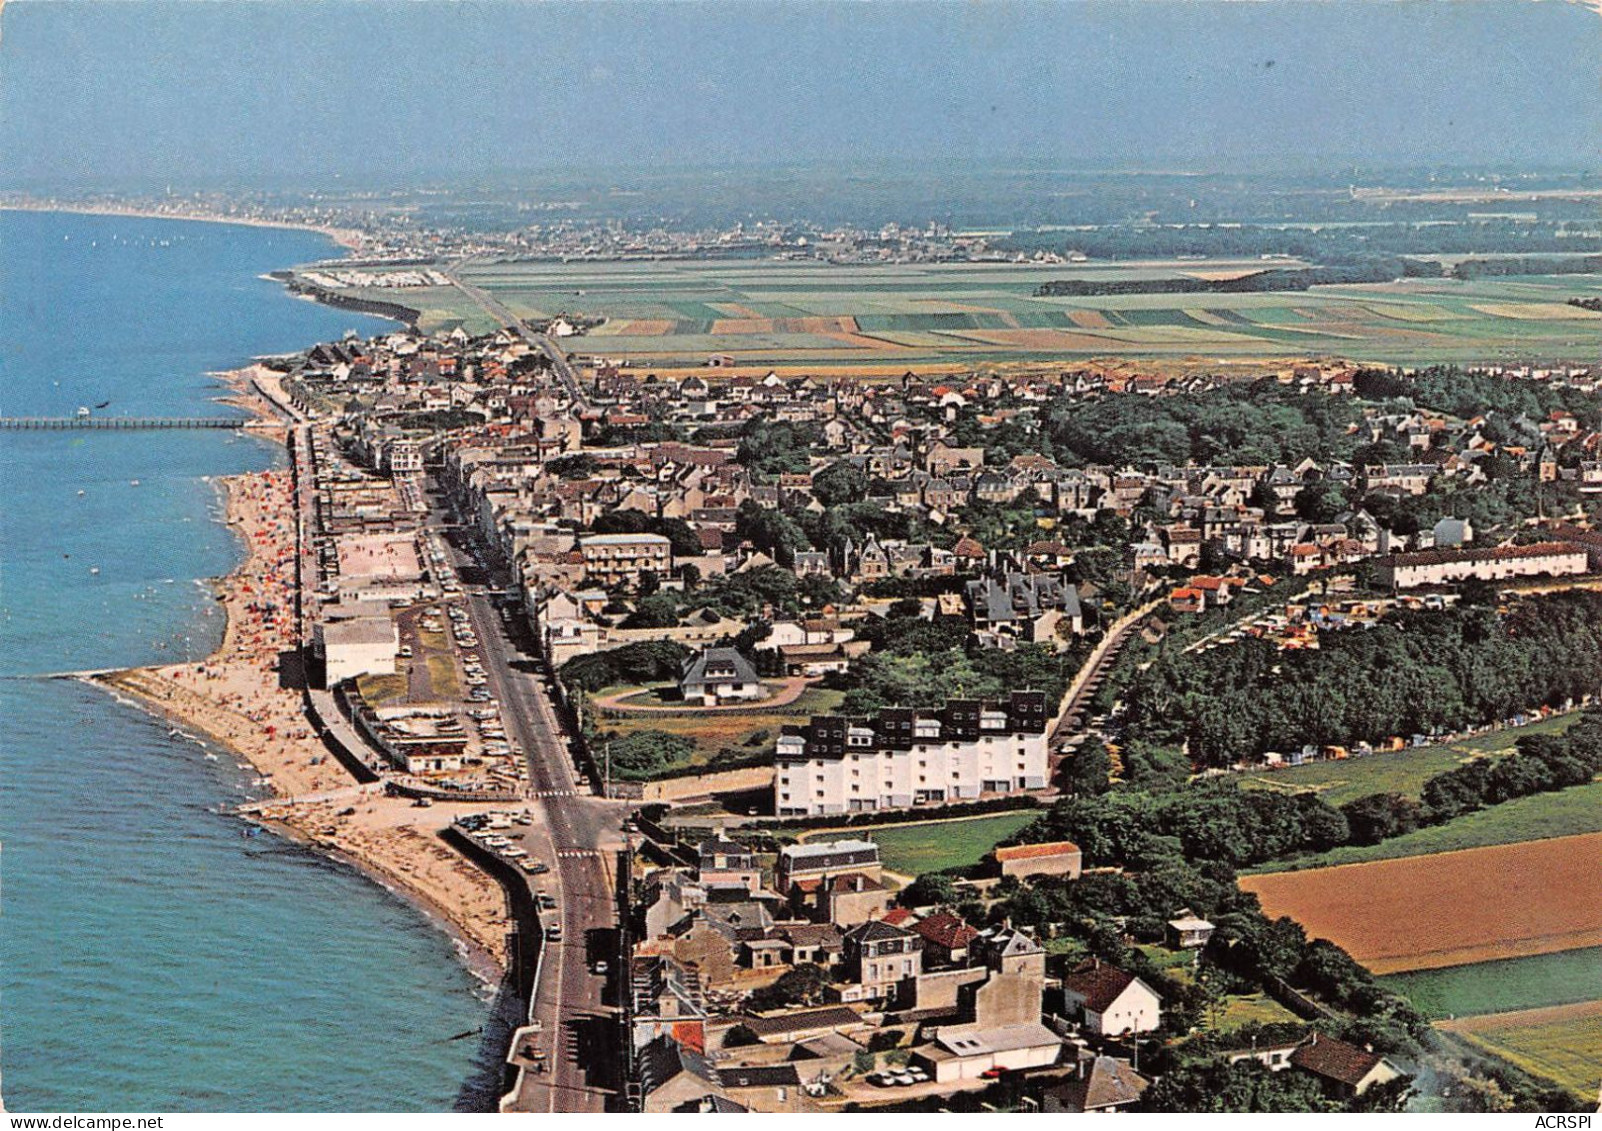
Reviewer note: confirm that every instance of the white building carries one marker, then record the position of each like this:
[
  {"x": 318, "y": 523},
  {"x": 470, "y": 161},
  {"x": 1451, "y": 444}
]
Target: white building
[
  {"x": 1112, "y": 1001},
  {"x": 905, "y": 757},
  {"x": 359, "y": 646},
  {"x": 1442, "y": 567},
  {"x": 620, "y": 559}
]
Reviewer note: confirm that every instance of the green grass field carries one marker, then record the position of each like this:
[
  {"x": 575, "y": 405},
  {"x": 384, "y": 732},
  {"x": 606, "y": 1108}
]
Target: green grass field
[
  {"x": 1499, "y": 987},
  {"x": 768, "y": 312},
  {"x": 1404, "y": 771},
  {"x": 1568, "y": 812},
  {"x": 932, "y": 846}
]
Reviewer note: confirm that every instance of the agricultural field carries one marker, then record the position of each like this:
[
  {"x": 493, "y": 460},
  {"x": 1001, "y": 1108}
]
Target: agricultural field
[
  {"x": 1540, "y": 980},
  {"x": 779, "y": 314},
  {"x": 1562, "y": 1043},
  {"x": 1401, "y": 771},
  {"x": 1448, "y": 909},
  {"x": 932, "y": 846},
  {"x": 1540, "y": 816}
]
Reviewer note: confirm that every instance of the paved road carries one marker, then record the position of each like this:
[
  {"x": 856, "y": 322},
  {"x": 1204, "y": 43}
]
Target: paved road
[
  {"x": 578, "y": 836},
  {"x": 1070, "y": 723},
  {"x": 499, "y": 311}
]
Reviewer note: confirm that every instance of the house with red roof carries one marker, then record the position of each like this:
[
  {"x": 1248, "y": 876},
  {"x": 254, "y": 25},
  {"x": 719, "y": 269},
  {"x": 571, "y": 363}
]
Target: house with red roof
[
  {"x": 1053, "y": 858},
  {"x": 946, "y": 938},
  {"x": 1344, "y": 1069},
  {"x": 1111, "y": 1001}
]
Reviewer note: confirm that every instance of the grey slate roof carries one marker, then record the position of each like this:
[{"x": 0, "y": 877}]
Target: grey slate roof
[{"x": 713, "y": 665}]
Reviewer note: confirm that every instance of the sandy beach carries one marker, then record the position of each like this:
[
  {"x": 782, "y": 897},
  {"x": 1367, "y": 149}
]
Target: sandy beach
[
  {"x": 237, "y": 698},
  {"x": 347, "y": 238}
]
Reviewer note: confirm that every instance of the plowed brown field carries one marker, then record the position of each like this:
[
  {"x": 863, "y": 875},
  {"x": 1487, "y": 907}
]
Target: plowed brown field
[{"x": 1421, "y": 912}]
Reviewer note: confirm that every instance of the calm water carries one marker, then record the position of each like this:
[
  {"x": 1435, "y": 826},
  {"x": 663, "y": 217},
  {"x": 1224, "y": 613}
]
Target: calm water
[{"x": 151, "y": 957}]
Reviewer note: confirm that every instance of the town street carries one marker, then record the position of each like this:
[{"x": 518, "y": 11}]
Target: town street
[{"x": 578, "y": 836}]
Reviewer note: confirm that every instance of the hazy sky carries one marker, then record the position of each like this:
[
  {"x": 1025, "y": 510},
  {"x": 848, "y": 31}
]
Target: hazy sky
[{"x": 95, "y": 93}]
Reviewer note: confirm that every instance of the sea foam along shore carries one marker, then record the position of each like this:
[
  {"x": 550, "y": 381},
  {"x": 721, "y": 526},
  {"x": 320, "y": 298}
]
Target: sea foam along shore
[{"x": 237, "y": 699}]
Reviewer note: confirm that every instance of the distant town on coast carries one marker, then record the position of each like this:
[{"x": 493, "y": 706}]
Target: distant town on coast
[{"x": 827, "y": 635}]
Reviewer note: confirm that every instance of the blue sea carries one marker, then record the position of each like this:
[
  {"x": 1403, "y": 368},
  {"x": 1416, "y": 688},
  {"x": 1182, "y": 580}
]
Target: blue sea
[{"x": 151, "y": 956}]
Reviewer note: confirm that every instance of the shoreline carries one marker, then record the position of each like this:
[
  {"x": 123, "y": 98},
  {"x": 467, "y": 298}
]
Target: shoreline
[
  {"x": 235, "y": 700},
  {"x": 350, "y": 239}
]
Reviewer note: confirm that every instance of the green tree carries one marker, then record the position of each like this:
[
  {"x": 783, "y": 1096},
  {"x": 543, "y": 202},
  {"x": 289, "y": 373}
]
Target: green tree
[
  {"x": 802, "y": 985},
  {"x": 929, "y": 889},
  {"x": 1088, "y": 771},
  {"x": 1242, "y": 1087},
  {"x": 840, "y": 483},
  {"x": 1320, "y": 502},
  {"x": 658, "y": 610}
]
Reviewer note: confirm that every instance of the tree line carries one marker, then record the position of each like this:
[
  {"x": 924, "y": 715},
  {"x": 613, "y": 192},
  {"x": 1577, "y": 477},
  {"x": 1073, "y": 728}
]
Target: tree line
[
  {"x": 1415, "y": 672},
  {"x": 1365, "y": 270},
  {"x": 1541, "y": 763}
]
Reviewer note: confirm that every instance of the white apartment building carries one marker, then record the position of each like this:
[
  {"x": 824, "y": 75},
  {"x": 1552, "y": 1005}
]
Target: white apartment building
[
  {"x": 1442, "y": 567},
  {"x": 905, "y": 757},
  {"x": 620, "y": 559}
]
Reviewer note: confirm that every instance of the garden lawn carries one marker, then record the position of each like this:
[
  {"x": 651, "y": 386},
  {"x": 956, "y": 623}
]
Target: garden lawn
[
  {"x": 933, "y": 846},
  {"x": 1251, "y": 1009}
]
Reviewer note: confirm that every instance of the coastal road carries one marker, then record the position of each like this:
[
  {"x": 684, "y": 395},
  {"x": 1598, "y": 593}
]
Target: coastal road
[
  {"x": 578, "y": 836},
  {"x": 499, "y": 311}
]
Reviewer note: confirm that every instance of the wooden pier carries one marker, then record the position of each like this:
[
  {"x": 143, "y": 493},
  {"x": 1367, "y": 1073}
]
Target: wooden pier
[{"x": 109, "y": 423}]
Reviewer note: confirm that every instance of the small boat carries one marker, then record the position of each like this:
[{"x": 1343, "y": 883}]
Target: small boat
[
  {"x": 80, "y": 494},
  {"x": 133, "y": 482},
  {"x": 250, "y": 833},
  {"x": 94, "y": 571}
]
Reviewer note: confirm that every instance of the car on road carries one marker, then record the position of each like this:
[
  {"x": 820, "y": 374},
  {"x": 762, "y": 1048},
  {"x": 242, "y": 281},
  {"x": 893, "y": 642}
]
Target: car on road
[
  {"x": 599, "y": 967},
  {"x": 554, "y": 932}
]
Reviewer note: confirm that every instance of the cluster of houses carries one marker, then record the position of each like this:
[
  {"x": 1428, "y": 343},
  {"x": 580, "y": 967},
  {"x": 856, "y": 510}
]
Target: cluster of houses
[
  {"x": 536, "y": 460},
  {"x": 521, "y": 459},
  {"x": 950, "y": 1003},
  {"x": 901, "y": 1003}
]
